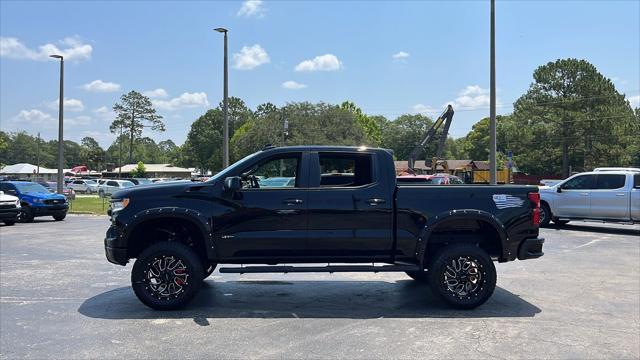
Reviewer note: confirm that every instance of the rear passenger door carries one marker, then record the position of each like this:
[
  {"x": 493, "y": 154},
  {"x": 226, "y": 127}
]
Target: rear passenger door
[
  {"x": 350, "y": 208},
  {"x": 610, "y": 197}
]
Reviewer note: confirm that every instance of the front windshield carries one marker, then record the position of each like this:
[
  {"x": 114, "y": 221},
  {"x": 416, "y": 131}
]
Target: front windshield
[
  {"x": 144, "y": 181},
  {"x": 31, "y": 188},
  {"x": 127, "y": 184},
  {"x": 222, "y": 174}
]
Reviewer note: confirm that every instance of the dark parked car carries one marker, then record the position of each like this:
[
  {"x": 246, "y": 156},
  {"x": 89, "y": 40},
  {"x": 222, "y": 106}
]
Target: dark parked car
[{"x": 343, "y": 206}]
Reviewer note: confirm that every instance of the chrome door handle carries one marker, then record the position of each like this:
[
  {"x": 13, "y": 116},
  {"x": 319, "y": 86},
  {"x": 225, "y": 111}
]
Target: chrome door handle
[
  {"x": 584, "y": 194},
  {"x": 292, "y": 201},
  {"x": 374, "y": 202},
  {"x": 619, "y": 194}
]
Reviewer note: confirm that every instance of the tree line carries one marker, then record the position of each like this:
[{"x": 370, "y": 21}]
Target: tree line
[{"x": 571, "y": 117}]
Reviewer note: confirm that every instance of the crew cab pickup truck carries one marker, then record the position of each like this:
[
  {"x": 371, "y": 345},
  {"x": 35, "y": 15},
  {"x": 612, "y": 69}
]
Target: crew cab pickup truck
[
  {"x": 605, "y": 194},
  {"x": 343, "y": 207}
]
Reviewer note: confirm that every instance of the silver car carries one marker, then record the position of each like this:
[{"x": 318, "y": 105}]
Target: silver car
[
  {"x": 111, "y": 186},
  {"x": 606, "y": 195}
]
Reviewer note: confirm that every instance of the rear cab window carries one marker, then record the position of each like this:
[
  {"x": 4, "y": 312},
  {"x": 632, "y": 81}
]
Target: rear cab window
[
  {"x": 636, "y": 181},
  {"x": 344, "y": 170},
  {"x": 610, "y": 181}
]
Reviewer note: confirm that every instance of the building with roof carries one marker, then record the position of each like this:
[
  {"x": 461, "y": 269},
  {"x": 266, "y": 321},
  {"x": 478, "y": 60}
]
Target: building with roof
[
  {"x": 151, "y": 171},
  {"x": 29, "y": 171}
]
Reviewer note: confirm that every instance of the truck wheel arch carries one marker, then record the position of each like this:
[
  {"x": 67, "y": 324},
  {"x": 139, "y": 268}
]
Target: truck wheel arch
[
  {"x": 195, "y": 222},
  {"x": 443, "y": 221}
]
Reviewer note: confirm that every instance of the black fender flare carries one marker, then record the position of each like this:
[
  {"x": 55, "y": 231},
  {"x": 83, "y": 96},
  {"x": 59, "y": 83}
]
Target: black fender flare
[
  {"x": 198, "y": 219},
  {"x": 466, "y": 214}
]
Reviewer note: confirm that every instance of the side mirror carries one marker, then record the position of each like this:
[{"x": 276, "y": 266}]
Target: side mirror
[
  {"x": 559, "y": 189},
  {"x": 232, "y": 183}
]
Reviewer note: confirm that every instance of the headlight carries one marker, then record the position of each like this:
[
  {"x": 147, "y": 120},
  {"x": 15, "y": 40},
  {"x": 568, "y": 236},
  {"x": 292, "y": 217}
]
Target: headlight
[
  {"x": 117, "y": 205},
  {"x": 18, "y": 204},
  {"x": 37, "y": 201}
]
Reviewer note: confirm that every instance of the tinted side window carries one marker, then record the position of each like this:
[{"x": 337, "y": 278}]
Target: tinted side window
[
  {"x": 340, "y": 170},
  {"x": 581, "y": 182},
  {"x": 277, "y": 172},
  {"x": 636, "y": 181},
  {"x": 610, "y": 181}
]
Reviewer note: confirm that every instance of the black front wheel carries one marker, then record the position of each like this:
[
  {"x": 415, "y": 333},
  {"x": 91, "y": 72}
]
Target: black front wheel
[
  {"x": 167, "y": 275},
  {"x": 59, "y": 217},
  {"x": 545, "y": 215},
  {"x": 462, "y": 275},
  {"x": 26, "y": 214},
  {"x": 9, "y": 222}
]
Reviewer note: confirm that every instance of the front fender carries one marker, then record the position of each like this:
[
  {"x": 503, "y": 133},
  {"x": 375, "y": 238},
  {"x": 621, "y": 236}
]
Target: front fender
[
  {"x": 198, "y": 219},
  {"x": 464, "y": 214}
]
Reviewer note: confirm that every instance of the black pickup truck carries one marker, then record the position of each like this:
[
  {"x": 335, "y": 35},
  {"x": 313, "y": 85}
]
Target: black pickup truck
[{"x": 319, "y": 205}]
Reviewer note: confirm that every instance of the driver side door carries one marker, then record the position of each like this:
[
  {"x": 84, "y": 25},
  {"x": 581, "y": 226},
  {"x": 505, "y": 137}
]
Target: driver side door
[
  {"x": 573, "y": 200},
  {"x": 269, "y": 215}
]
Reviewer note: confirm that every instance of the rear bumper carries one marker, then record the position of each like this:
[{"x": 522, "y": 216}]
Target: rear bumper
[{"x": 530, "y": 249}]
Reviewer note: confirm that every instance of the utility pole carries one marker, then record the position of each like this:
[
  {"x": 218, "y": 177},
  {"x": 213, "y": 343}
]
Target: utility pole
[
  {"x": 60, "y": 125},
  {"x": 492, "y": 104},
  {"x": 225, "y": 106},
  {"x": 38, "y": 156}
]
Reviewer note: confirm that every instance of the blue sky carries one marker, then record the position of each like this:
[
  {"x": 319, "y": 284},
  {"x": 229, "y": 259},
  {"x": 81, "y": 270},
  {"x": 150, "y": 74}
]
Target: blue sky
[{"x": 390, "y": 58}]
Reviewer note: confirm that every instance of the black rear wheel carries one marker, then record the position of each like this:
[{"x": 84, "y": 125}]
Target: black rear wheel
[
  {"x": 167, "y": 275},
  {"x": 9, "y": 222},
  {"x": 462, "y": 275},
  {"x": 560, "y": 222}
]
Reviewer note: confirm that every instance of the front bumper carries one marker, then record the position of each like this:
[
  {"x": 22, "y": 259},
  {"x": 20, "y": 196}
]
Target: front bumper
[
  {"x": 530, "y": 249},
  {"x": 9, "y": 214},
  {"x": 50, "y": 210},
  {"x": 115, "y": 254}
]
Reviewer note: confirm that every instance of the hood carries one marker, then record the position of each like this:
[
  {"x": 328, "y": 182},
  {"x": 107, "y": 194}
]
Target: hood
[
  {"x": 7, "y": 197},
  {"x": 156, "y": 189},
  {"x": 43, "y": 196}
]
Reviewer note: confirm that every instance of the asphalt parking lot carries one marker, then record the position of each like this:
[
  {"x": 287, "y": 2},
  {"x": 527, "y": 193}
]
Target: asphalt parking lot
[{"x": 59, "y": 297}]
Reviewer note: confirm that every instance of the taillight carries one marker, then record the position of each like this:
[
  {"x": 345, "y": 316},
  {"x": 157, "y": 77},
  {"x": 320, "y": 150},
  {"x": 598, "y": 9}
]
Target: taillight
[{"x": 534, "y": 198}]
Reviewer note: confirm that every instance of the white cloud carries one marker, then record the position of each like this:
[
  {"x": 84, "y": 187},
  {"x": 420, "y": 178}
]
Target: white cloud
[
  {"x": 156, "y": 93},
  {"x": 250, "y": 57},
  {"x": 69, "y": 104},
  {"x": 400, "y": 56},
  {"x": 186, "y": 100},
  {"x": 77, "y": 121},
  {"x": 101, "y": 86},
  {"x": 634, "y": 101},
  {"x": 71, "y": 48},
  {"x": 424, "y": 109},
  {"x": 104, "y": 113},
  {"x": 472, "y": 97},
  {"x": 327, "y": 62},
  {"x": 292, "y": 85},
  {"x": 251, "y": 8},
  {"x": 35, "y": 117}
]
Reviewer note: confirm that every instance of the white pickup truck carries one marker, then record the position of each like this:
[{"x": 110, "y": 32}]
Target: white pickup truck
[{"x": 606, "y": 194}]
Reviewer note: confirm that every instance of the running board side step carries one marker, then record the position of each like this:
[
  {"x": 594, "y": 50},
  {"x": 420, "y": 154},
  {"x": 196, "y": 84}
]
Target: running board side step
[{"x": 323, "y": 269}]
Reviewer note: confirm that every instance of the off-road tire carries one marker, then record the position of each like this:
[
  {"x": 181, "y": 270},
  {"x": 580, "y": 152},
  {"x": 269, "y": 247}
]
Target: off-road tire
[
  {"x": 441, "y": 269},
  {"x": 191, "y": 274}
]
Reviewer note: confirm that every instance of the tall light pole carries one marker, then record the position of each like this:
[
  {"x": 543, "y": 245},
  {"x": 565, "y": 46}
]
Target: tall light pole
[
  {"x": 225, "y": 106},
  {"x": 492, "y": 103},
  {"x": 60, "y": 128}
]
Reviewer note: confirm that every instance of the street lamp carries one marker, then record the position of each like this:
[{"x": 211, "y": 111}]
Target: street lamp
[
  {"x": 225, "y": 106},
  {"x": 60, "y": 117}
]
